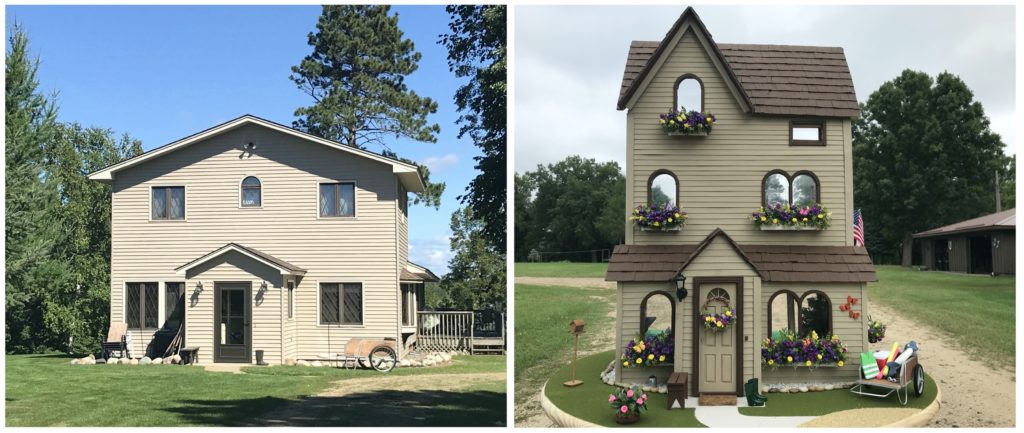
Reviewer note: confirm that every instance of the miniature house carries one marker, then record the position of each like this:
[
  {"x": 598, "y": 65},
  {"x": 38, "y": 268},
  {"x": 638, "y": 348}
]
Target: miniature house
[{"x": 781, "y": 135}]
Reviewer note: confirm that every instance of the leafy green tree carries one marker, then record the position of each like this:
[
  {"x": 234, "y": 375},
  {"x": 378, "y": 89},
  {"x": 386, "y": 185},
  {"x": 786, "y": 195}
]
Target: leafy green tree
[
  {"x": 30, "y": 230},
  {"x": 356, "y": 78},
  {"x": 924, "y": 156},
  {"x": 477, "y": 49},
  {"x": 476, "y": 276},
  {"x": 1008, "y": 183},
  {"x": 573, "y": 205}
]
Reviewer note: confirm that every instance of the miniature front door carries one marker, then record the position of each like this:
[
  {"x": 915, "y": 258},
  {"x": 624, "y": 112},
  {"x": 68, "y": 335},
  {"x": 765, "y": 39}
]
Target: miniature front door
[{"x": 717, "y": 349}]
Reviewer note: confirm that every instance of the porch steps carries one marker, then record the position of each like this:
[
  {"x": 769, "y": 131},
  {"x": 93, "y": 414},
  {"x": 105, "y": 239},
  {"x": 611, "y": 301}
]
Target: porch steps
[
  {"x": 488, "y": 345},
  {"x": 717, "y": 400}
]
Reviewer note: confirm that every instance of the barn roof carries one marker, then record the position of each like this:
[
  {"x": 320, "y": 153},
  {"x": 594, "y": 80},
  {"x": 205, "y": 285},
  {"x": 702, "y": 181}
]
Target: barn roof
[{"x": 1005, "y": 220}]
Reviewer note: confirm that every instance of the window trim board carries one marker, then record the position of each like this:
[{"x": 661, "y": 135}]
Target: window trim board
[
  {"x": 362, "y": 284},
  {"x": 355, "y": 199},
  {"x": 242, "y": 188},
  {"x": 650, "y": 184},
  {"x": 675, "y": 91},
  {"x": 822, "y": 136},
  {"x": 149, "y": 204},
  {"x": 789, "y": 183}
]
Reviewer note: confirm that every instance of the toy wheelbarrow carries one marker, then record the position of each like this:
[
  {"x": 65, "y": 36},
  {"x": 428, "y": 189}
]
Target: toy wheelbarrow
[{"x": 911, "y": 373}]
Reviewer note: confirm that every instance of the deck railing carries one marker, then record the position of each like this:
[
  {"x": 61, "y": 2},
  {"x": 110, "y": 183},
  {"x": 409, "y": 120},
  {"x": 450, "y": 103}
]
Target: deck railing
[{"x": 444, "y": 331}]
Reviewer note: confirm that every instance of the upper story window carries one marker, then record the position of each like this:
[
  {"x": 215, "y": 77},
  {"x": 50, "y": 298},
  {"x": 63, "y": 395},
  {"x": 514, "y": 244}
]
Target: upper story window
[
  {"x": 338, "y": 199},
  {"x": 663, "y": 188},
  {"x": 801, "y": 189},
  {"x": 689, "y": 93},
  {"x": 807, "y": 133},
  {"x": 168, "y": 203},
  {"x": 252, "y": 192}
]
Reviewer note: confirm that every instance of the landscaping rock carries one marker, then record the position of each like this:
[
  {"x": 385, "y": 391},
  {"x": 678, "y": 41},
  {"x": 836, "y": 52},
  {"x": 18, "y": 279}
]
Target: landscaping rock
[
  {"x": 302, "y": 362},
  {"x": 158, "y": 360},
  {"x": 289, "y": 361},
  {"x": 176, "y": 359},
  {"x": 145, "y": 360},
  {"x": 803, "y": 389},
  {"x": 663, "y": 389},
  {"x": 316, "y": 364},
  {"x": 829, "y": 387},
  {"x": 133, "y": 361},
  {"x": 774, "y": 390}
]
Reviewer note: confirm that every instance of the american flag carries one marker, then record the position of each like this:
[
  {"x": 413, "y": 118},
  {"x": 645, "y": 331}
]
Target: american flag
[{"x": 858, "y": 228}]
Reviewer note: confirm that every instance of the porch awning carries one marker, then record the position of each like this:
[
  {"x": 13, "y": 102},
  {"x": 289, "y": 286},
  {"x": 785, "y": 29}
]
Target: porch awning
[
  {"x": 284, "y": 267},
  {"x": 417, "y": 274}
]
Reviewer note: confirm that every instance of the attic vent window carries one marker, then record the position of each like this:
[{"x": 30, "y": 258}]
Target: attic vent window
[{"x": 807, "y": 133}]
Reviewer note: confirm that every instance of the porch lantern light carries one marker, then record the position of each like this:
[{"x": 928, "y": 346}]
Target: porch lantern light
[{"x": 680, "y": 281}]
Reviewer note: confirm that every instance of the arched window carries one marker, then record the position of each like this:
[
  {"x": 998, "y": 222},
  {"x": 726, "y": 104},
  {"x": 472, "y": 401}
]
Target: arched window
[
  {"x": 689, "y": 93},
  {"x": 801, "y": 189},
  {"x": 657, "y": 314},
  {"x": 663, "y": 188},
  {"x": 815, "y": 313},
  {"x": 252, "y": 192},
  {"x": 810, "y": 312}
]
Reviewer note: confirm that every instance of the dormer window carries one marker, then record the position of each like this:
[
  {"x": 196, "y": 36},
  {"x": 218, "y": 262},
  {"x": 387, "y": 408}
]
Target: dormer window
[
  {"x": 807, "y": 133},
  {"x": 663, "y": 189},
  {"x": 801, "y": 189},
  {"x": 252, "y": 192},
  {"x": 689, "y": 93}
]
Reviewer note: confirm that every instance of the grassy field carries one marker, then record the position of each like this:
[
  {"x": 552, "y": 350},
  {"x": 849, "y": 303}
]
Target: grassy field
[
  {"x": 561, "y": 270},
  {"x": 979, "y": 311},
  {"x": 43, "y": 390},
  {"x": 544, "y": 344}
]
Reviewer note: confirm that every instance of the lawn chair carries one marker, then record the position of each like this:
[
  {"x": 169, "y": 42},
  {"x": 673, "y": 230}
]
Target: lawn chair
[{"x": 119, "y": 340}]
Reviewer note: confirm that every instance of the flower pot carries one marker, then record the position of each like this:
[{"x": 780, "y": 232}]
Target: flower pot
[
  {"x": 688, "y": 134},
  {"x": 627, "y": 418}
]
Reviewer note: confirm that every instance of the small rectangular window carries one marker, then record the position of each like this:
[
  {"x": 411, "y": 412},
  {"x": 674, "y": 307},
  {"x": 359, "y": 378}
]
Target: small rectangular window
[
  {"x": 353, "y": 304},
  {"x": 291, "y": 299},
  {"x": 168, "y": 203},
  {"x": 341, "y": 304},
  {"x": 807, "y": 133},
  {"x": 141, "y": 305},
  {"x": 337, "y": 199}
]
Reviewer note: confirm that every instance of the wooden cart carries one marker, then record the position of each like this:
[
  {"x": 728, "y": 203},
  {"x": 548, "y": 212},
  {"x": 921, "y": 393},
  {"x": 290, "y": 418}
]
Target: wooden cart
[
  {"x": 377, "y": 354},
  {"x": 912, "y": 373}
]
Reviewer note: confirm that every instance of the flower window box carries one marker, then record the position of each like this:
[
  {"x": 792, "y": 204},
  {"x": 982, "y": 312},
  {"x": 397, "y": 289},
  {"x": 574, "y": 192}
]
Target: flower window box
[
  {"x": 687, "y": 123},
  {"x": 809, "y": 352},
  {"x": 779, "y": 217},
  {"x": 770, "y": 228},
  {"x": 658, "y": 218}
]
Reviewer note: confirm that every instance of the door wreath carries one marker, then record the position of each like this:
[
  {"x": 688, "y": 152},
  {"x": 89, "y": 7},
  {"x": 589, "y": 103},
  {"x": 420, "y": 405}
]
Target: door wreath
[{"x": 721, "y": 321}]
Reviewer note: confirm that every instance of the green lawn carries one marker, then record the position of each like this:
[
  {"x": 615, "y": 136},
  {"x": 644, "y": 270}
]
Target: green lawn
[
  {"x": 561, "y": 270},
  {"x": 43, "y": 390},
  {"x": 543, "y": 342},
  {"x": 589, "y": 401},
  {"x": 825, "y": 402},
  {"x": 979, "y": 311}
]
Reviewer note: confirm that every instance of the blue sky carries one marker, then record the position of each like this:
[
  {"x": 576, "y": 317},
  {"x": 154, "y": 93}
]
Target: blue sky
[{"x": 161, "y": 73}]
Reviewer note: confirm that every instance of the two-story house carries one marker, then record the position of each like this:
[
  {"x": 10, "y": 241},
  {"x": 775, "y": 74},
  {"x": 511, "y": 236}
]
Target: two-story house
[
  {"x": 262, "y": 238},
  {"x": 781, "y": 135}
]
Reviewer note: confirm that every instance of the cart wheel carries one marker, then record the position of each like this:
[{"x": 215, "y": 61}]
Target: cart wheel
[
  {"x": 383, "y": 358},
  {"x": 918, "y": 380}
]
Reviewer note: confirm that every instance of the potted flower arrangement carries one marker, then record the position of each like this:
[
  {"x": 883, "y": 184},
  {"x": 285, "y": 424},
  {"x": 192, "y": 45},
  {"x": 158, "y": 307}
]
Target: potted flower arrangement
[
  {"x": 809, "y": 351},
  {"x": 876, "y": 330},
  {"x": 785, "y": 217},
  {"x": 649, "y": 351},
  {"x": 629, "y": 403},
  {"x": 684, "y": 122},
  {"x": 718, "y": 322},
  {"x": 658, "y": 217}
]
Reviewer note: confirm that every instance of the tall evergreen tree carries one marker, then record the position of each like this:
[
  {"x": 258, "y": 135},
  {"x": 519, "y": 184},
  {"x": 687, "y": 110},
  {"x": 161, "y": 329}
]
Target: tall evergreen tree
[
  {"x": 477, "y": 49},
  {"x": 924, "y": 157},
  {"x": 476, "y": 277},
  {"x": 356, "y": 77},
  {"x": 30, "y": 199}
]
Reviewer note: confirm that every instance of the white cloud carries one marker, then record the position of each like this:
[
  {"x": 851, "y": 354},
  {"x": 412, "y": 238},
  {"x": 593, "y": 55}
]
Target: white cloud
[
  {"x": 434, "y": 252},
  {"x": 569, "y": 61},
  {"x": 439, "y": 163}
]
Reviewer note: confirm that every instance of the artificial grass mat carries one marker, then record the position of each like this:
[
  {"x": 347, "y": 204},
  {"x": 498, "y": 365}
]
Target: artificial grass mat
[
  {"x": 589, "y": 401},
  {"x": 825, "y": 402}
]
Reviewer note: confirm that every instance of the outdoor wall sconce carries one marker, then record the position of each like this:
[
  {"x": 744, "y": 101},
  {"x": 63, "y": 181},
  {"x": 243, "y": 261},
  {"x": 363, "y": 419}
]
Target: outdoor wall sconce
[
  {"x": 194, "y": 298},
  {"x": 680, "y": 281},
  {"x": 261, "y": 293},
  {"x": 250, "y": 146}
]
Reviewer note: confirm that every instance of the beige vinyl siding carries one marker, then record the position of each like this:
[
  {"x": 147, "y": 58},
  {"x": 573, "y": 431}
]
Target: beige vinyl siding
[
  {"x": 357, "y": 249},
  {"x": 720, "y": 175},
  {"x": 853, "y": 333},
  {"x": 629, "y": 299}
]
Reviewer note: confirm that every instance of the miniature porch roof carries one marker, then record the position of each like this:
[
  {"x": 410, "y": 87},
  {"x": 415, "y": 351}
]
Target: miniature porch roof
[
  {"x": 282, "y": 266},
  {"x": 1005, "y": 220},
  {"x": 776, "y": 263},
  {"x": 407, "y": 173},
  {"x": 773, "y": 79},
  {"x": 416, "y": 273}
]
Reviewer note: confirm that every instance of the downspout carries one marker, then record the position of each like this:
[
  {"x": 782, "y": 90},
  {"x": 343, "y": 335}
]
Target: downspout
[
  {"x": 281, "y": 318},
  {"x": 398, "y": 273}
]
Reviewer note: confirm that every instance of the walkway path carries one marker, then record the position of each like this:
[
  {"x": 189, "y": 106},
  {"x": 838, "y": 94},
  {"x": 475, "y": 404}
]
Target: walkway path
[{"x": 730, "y": 416}]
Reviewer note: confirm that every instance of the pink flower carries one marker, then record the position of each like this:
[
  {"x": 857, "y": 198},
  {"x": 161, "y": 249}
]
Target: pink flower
[
  {"x": 623, "y": 409},
  {"x": 640, "y": 401},
  {"x": 644, "y": 396},
  {"x": 611, "y": 398},
  {"x": 629, "y": 393}
]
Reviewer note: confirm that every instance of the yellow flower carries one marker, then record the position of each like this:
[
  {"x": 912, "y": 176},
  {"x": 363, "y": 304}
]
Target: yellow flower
[
  {"x": 677, "y": 215},
  {"x": 708, "y": 120},
  {"x": 719, "y": 324},
  {"x": 728, "y": 313},
  {"x": 651, "y": 356},
  {"x": 794, "y": 219},
  {"x": 662, "y": 121},
  {"x": 819, "y": 357},
  {"x": 771, "y": 362},
  {"x": 661, "y": 358},
  {"x": 814, "y": 335},
  {"x": 669, "y": 220},
  {"x": 671, "y": 122},
  {"x": 840, "y": 363},
  {"x": 821, "y": 215},
  {"x": 764, "y": 218},
  {"x": 707, "y": 318},
  {"x": 686, "y": 125},
  {"x": 808, "y": 363},
  {"x": 789, "y": 359},
  {"x": 638, "y": 360},
  {"x": 637, "y": 349},
  {"x": 805, "y": 219},
  {"x": 775, "y": 220},
  {"x": 655, "y": 224},
  {"x": 625, "y": 363}
]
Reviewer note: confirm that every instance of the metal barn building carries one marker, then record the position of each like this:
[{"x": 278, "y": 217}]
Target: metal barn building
[{"x": 983, "y": 245}]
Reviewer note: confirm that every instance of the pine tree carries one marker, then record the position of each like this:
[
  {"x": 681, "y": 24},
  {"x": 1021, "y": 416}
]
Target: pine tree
[{"x": 476, "y": 277}]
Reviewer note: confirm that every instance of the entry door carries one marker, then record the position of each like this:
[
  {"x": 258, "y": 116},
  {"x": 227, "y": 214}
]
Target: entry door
[
  {"x": 717, "y": 350},
  {"x": 232, "y": 325}
]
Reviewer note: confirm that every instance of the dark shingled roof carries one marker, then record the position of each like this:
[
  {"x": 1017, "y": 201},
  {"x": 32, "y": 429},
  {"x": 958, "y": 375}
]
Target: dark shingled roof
[
  {"x": 775, "y": 79},
  {"x": 1005, "y": 220},
  {"x": 414, "y": 272},
  {"x": 780, "y": 263}
]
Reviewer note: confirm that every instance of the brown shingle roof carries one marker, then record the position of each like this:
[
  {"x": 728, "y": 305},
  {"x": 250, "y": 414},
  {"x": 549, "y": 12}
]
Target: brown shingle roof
[
  {"x": 1006, "y": 219},
  {"x": 782, "y": 263},
  {"x": 414, "y": 272},
  {"x": 775, "y": 79}
]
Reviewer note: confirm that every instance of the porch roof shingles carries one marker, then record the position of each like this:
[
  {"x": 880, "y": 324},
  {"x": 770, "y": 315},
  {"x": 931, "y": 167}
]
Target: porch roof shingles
[
  {"x": 281, "y": 264},
  {"x": 781, "y": 263}
]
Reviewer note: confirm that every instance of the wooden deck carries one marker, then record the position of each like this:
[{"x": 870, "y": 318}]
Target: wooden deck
[{"x": 446, "y": 331}]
